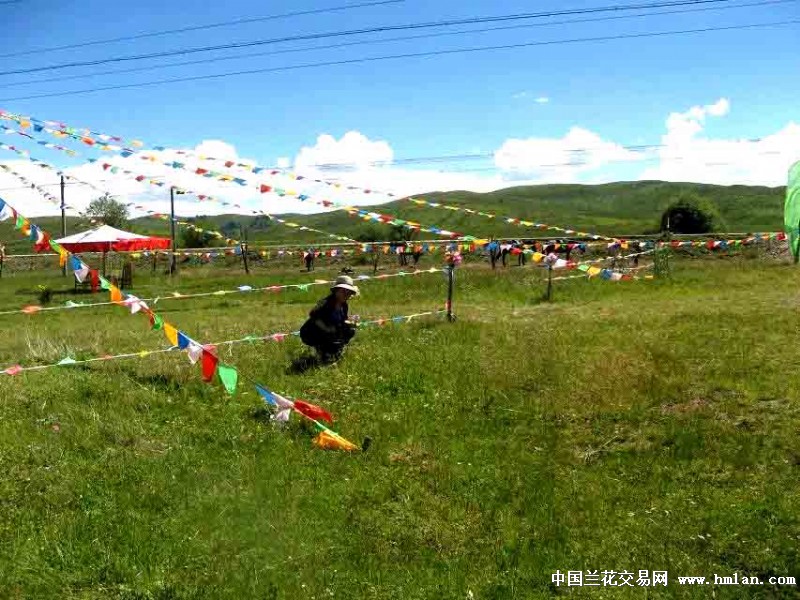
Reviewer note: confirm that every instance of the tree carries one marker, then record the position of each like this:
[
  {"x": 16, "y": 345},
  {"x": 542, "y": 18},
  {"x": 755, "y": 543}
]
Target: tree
[
  {"x": 261, "y": 222},
  {"x": 108, "y": 211},
  {"x": 402, "y": 234},
  {"x": 191, "y": 238},
  {"x": 231, "y": 228},
  {"x": 690, "y": 213},
  {"x": 370, "y": 233}
]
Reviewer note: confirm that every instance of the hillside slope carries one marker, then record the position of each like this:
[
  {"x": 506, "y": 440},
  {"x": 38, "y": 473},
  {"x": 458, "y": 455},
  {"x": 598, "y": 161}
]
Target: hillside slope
[{"x": 624, "y": 208}]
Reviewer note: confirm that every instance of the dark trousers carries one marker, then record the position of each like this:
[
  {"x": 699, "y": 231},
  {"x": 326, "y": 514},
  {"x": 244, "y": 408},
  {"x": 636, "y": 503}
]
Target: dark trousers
[{"x": 325, "y": 343}]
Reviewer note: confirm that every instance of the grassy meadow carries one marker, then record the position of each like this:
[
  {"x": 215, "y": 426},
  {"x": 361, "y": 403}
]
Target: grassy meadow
[{"x": 622, "y": 426}]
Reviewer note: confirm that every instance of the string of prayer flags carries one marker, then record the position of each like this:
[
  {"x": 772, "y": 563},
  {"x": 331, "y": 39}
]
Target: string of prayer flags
[
  {"x": 194, "y": 350},
  {"x": 312, "y": 411},
  {"x": 282, "y": 408},
  {"x": 86, "y": 138},
  {"x": 352, "y": 211},
  {"x": 159, "y": 183},
  {"x": 511, "y": 220},
  {"x": 27, "y": 182},
  {"x": 210, "y": 363},
  {"x": 171, "y": 333},
  {"x": 752, "y": 238},
  {"x": 102, "y": 140},
  {"x": 229, "y": 377},
  {"x": 264, "y": 188},
  {"x": 330, "y": 440},
  {"x": 183, "y": 341},
  {"x": 115, "y": 294},
  {"x": 156, "y": 322}
]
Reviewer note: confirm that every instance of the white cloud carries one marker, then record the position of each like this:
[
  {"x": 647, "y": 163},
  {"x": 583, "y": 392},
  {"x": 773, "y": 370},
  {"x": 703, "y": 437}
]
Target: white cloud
[
  {"x": 537, "y": 100},
  {"x": 217, "y": 149},
  {"x": 685, "y": 155},
  {"x": 353, "y": 151},
  {"x": 720, "y": 108},
  {"x": 559, "y": 159},
  {"x": 355, "y": 160},
  {"x": 29, "y": 201}
]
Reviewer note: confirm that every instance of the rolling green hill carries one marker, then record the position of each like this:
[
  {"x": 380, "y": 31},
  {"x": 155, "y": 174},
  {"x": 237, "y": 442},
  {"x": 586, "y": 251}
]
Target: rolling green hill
[{"x": 625, "y": 208}]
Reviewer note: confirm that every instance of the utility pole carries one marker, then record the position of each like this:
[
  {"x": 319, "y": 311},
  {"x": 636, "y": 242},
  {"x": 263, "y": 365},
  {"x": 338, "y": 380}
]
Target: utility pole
[
  {"x": 451, "y": 276},
  {"x": 63, "y": 222},
  {"x": 243, "y": 246},
  {"x": 172, "y": 261}
]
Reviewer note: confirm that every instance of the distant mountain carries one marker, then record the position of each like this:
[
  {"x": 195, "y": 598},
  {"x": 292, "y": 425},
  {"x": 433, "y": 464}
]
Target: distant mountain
[{"x": 624, "y": 208}]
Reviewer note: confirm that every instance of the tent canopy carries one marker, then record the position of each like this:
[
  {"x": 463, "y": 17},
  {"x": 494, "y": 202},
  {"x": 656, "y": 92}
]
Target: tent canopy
[{"x": 106, "y": 238}]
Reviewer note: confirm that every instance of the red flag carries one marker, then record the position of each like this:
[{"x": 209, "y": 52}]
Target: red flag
[
  {"x": 201, "y": 171},
  {"x": 44, "y": 245},
  {"x": 312, "y": 411},
  {"x": 265, "y": 188},
  {"x": 209, "y": 361}
]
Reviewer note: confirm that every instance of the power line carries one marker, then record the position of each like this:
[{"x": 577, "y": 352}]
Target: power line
[
  {"x": 314, "y": 36},
  {"x": 199, "y": 27},
  {"x": 395, "y": 39},
  {"x": 456, "y": 158},
  {"x": 76, "y": 182},
  {"x": 402, "y": 56}
]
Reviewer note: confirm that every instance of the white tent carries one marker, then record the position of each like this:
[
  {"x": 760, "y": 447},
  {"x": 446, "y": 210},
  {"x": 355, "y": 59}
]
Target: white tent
[{"x": 106, "y": 238}]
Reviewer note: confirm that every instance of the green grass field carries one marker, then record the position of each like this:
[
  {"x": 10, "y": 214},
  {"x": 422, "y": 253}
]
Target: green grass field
[{"x": 623, "y": 426}]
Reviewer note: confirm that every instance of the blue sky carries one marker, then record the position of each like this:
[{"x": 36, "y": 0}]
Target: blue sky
[{"x": 621, "y": 91}]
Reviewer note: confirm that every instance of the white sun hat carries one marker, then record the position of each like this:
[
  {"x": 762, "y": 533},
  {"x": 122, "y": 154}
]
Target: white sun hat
[{"x": 346, "y": 283}]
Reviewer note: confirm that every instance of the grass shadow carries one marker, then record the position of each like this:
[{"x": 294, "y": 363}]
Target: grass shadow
[{"x": 303, "y": 364}]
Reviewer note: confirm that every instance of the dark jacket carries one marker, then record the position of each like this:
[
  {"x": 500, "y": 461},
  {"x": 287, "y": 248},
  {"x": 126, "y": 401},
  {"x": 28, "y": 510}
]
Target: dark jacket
[{"x": 326, "y": 322}]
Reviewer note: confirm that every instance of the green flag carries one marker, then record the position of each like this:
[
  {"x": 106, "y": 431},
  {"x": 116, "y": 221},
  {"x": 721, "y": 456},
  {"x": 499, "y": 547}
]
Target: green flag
[
  {"x": 791, "y": 211},
  {"x": 229, "y": 377}
]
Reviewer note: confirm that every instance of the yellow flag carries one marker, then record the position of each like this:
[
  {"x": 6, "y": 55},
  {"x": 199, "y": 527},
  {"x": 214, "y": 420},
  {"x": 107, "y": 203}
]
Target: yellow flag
[
  {"x": 62, "y": 258},
  {"x": 116, "y": 294},
  {"x": 171, "y": 333},
  {"x": 328, "y": 440}
]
